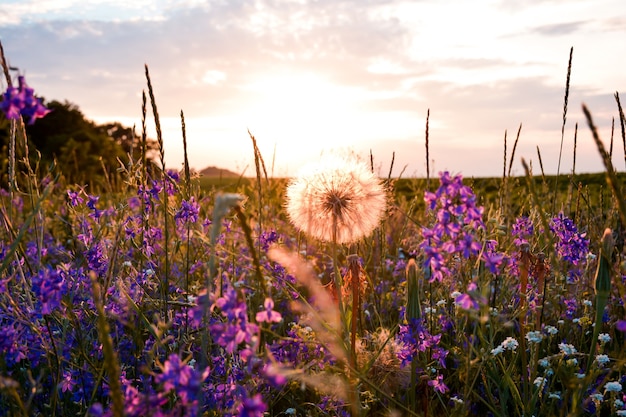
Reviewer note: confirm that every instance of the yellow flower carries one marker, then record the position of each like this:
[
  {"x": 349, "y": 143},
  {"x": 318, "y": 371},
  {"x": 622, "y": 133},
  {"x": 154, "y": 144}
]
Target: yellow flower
[{"x": 338, "y": 199}]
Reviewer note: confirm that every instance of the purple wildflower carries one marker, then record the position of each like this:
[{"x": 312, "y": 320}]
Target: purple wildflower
[
  {"x": 438, "y": 384},
  {"x": 268, "y": 315},
  {"x": 466, "y": 302},
  {"x": 236, "y": 329},
  {"x": 188, "y": 212},
  {"x": 252, "y": 407},
  {"x": 183, "y": 379},
  {"x": 74, "y": 198},
  {"x": 571, "y": 245},
  {"x": 49, "y": 286},
  {"x": 522, "y": 230},
  {"x": 413, "y": 338},
  {"x": 458, "y": 219},
  {"x": 21, "y": 101}
]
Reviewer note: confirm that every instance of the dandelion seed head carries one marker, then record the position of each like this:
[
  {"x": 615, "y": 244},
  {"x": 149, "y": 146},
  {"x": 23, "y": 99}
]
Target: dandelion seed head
[{"x": 339, "y": 195}]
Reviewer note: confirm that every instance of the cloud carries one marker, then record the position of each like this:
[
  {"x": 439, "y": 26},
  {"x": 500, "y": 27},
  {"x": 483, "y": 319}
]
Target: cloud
[
  {"x": 560, "y": 29},
  {"x": 206, "y": 57}
]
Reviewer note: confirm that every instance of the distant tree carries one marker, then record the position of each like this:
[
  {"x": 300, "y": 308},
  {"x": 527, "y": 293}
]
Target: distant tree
[{"x": 82, "y": 150}]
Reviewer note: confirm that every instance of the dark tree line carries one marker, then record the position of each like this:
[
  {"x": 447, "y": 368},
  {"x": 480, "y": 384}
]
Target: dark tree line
[{"x": 81, "y": 151}]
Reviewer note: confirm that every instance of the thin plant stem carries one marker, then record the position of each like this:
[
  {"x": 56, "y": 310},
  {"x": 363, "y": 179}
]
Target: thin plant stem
[
  {"x": 611, "y": 141},
  {"x": 572, "y": 175},
  {"x": 110, "y": 357},
  {"x": 519, "y": 130},
  {"x": 427, "y": 152},
  {"x": 503, "y": 172},
  {"x": 187, "y": 196}
]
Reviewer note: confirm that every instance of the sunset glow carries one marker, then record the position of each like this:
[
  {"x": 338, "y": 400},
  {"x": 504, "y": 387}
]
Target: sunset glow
[{"x": 304, "y": 76}]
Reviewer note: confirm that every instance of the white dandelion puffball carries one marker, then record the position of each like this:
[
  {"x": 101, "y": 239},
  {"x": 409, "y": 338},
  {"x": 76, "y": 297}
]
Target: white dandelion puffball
[{"x": 338, "y": 195}]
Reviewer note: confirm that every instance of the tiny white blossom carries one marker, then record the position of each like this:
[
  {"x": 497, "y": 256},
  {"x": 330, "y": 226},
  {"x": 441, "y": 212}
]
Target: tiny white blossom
[
  {"x": 621, "y": 412},
  {"x": 604, "y": 338},
  {"x": 539, "y": 382},
  {"x": 290, "y": 411},
  {"x": 441, "y": 303},
  {"x": 496, "y": 351},
  {"x": 618, "y": 403},
  {"x": 510, "y": 343},
  {"x": 457, "y": 400},
  {"x": 544, "y": 362},
  {"x": 567, "y": 349},
  {"x": 561, "y": 321},
  {"x": 613, "y": 386},
  {"x": 551, "y": 330},
  {"x": 597, "y": 397},
  {"x": 534, "y": 337},
  {"x": 428, "y": 310},
  {"x": 587, "y": 303},
  {"x": 555, "y": 395},
  {"x": 580, "y": 375},
  {"x": 576, "y": 320},
  {"x": 572, "y": 362},
  {"x": 455, "y": 294},
  {"x": 602, "y": 360}
]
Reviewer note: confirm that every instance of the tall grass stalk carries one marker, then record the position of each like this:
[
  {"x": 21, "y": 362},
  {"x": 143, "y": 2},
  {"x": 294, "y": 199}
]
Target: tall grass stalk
[
  {"x": 570, "y": 188},
  {"x": 558, "y": 169},
  {"x": 259, "y": 164},
  {"x": 503, "y": 172},
  {"x": 519, "y": 130},
  {"x": 165, "y": 280},
  {"x": 622, "y": 121},
  {"x": 608, "y": 165},
  {"x": 611, "y": 141},
  {"x": 186, "y": 196},
  {"x": 427, "y": 152},
  {"x": 110, "y": 357}
]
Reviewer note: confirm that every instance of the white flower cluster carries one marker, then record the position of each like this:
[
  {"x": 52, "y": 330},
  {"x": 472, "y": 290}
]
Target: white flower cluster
[
  {"x": 567, "y": 349},
  {"x": 613, "y": 386},
  {"x": 604, "y": 338},
  {"x": 551, "y": 330},
  {"x": 540, "y": 382},
  {"x": 534, "y": 337},
  {"x": 602, "y": 360},
  {"x": 507, "y": 344}
]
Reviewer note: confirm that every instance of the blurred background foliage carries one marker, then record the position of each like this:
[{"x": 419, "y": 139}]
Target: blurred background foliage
[{"x": 79, "y": 151}]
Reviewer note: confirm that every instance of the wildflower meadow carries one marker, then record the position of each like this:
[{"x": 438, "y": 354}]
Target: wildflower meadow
[{"x": 330, "y": 294}]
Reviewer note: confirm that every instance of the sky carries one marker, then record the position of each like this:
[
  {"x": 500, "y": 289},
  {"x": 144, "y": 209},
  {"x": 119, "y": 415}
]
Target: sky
[{"x": 307, "y": 77}]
